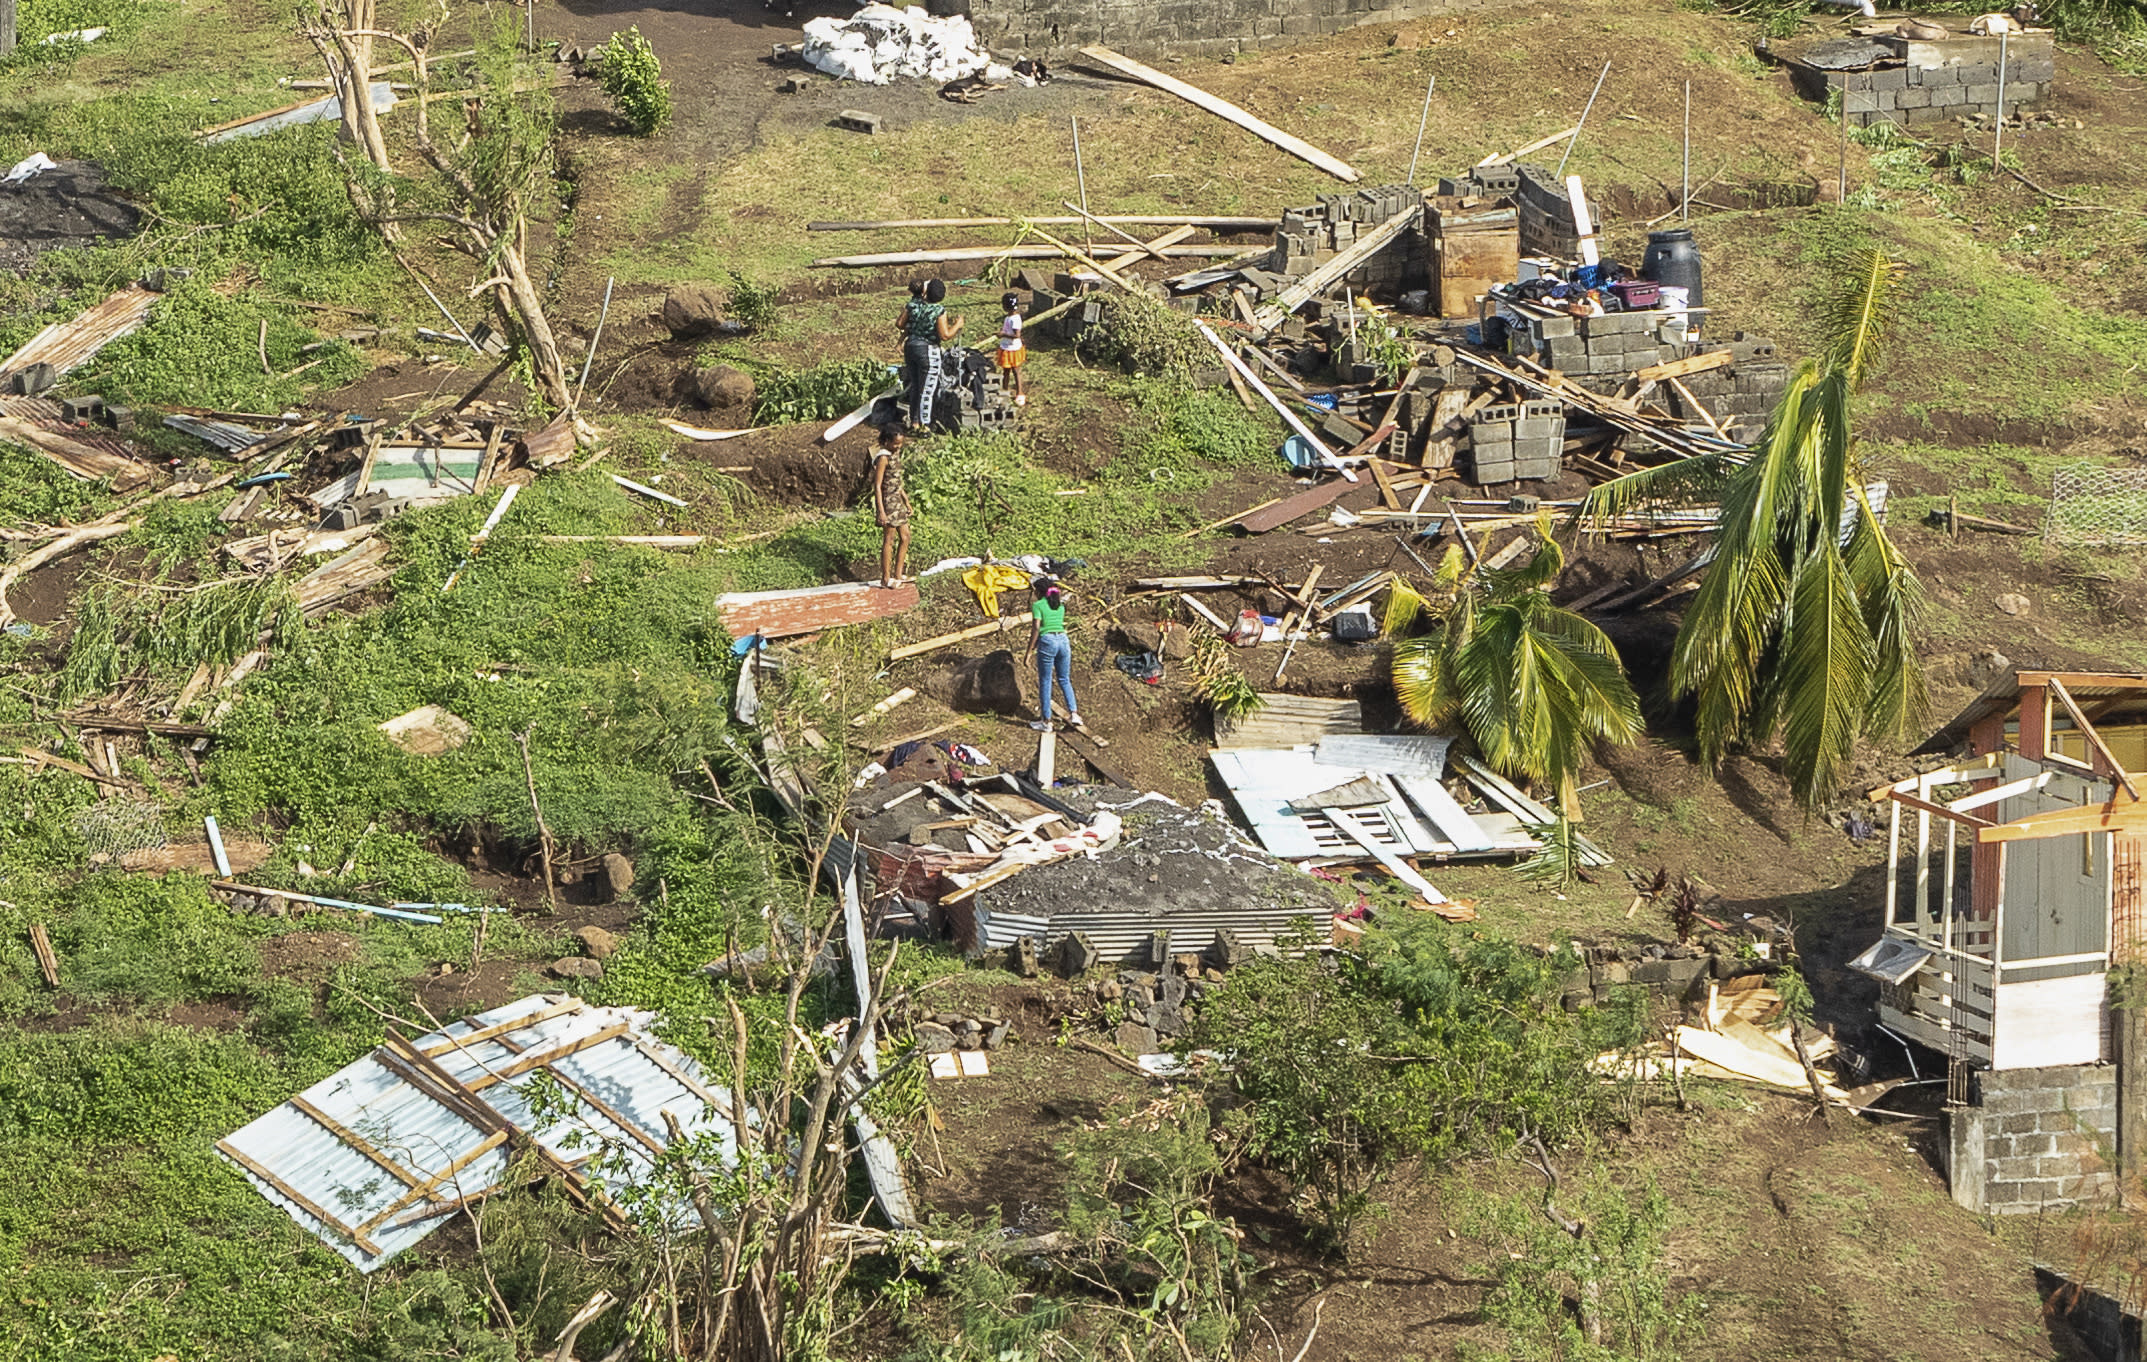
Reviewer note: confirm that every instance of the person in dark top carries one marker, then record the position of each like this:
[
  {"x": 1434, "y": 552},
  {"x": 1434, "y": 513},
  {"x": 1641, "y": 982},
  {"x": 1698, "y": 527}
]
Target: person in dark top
[
  {"x": 890, "y": 506},
  {"x": 926, "y": 327}
]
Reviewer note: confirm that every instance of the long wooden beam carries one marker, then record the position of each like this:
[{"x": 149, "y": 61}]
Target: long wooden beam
[
  {"x": 1335, "y": 270},
  {"x": 1224, "y": 109},
  {"x": 1939, "y": 810},
  {"x": 2119, "y": 815},
  {"x": 2115, "y": 768}
]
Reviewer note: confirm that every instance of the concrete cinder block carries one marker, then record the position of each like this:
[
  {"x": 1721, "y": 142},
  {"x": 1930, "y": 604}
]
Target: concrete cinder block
[
  {"x": 1983, "y": 95},
  {"x": 1914, "y": 97}
]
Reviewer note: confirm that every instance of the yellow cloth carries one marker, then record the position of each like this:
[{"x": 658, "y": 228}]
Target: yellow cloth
[{"x": 987, "y": 580}]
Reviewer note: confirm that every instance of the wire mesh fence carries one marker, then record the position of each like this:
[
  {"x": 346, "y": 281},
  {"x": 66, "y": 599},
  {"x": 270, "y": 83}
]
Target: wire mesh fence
[
  {"x": 113, "y": 827},
  {"x": 2091, "y": 504}
]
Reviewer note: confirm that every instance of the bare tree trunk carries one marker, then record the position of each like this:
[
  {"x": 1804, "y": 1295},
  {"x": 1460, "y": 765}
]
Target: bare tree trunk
[
  {"x": 521, "y": 293},
  {"x": 7, "y": 26}
]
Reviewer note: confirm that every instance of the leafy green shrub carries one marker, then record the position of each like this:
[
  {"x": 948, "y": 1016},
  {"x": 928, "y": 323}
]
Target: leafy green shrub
[
  {"x": 753, "y": 305},
  {"x": 1420, "y": 1045},
  {"x": 633, "y": 79},
  {"x": 1147, "y": 336},
  {"x": 821, "y": 393},
  {"x": 1199, "y": 425}
]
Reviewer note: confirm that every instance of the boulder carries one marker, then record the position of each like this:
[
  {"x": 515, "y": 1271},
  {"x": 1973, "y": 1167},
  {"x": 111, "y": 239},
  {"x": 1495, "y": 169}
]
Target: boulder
[
  {"x": 618, "y": 876},
  {"x": 996, "y": 1037},
  {"x": 1165, "y": 1019},
  {"x": 575, "y": 967},
  {"x": 722, "y": 388},
  {"x": 691, "y": 311},
  {"x": 426, "y": 731},
  {"x": 978, "y": 685},
  {"x": 596, "y": 943},
  {"x": 2012, "y": 603},
  {"x": 934, "y": 1039},
  {"x": 1135, "y": 1039}
]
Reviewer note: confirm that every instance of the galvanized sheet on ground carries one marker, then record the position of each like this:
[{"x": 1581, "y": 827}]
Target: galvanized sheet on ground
[
  {"x": 69, "y": 345},
  {"x": 1264, "y": 781},
  {"x": 425, "y": 1139},
  {"x": 779, "y": 614},
  {"x": 1124, "y": 937}
]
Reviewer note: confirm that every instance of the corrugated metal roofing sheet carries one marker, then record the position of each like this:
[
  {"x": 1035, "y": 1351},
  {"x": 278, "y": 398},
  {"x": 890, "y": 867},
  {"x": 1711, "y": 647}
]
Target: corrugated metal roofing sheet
[
  {"x": 1124, "y": 936},
  {"x": 779, "y": 614},
  {"x": 69, "y": 345},
  {"x": 370, "y": 1164},
  {"x": 2002, "y": 696},
  {"x": 1264, "y": 781}
]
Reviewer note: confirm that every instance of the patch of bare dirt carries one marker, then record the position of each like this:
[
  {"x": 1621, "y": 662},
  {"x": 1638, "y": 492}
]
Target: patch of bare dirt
[{"x": 307, "y": 957}]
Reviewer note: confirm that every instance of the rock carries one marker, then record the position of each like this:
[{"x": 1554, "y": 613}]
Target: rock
[
  {"x": 934, "y": 1039},
  {"x": 996, "y": 1037},
  {"x": 1173, "y": 991},
  {"x": 1135, "y": 1039},
  {"x": 1213, "y": 976},
  {"x": 1139, "y": 997},
  {"x": 575, "y": 967},
  {"x": 618, "y": 875},
  {"x": 1987, "y": 666},
  {"x": 426, "y": 731},
  {"x": 978, "y": 685},
  {"x": 1165, "y": 1019},
  {"x": 2012, "y": 603},
  {"x": 969, "y": 1040},
  {"x": 1110, "y": 990},
  {"x": 970, "y": 1026},
  {"x": 1167, "y": 639},
  {"x": 691, "y": 311},
  {"x": 722, "y": 388},
  {"x": 596, "y": 943}
]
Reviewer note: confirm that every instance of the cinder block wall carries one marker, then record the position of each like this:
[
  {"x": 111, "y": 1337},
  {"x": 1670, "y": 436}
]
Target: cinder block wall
[
  {"x": 1949, "y": 79},
  {"x": 1188, "y": 28},
  {"x": 2035, "y": 1139}
]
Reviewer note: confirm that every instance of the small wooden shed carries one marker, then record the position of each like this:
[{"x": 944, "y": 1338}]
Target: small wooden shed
[{"x": 2016, "y": 881}]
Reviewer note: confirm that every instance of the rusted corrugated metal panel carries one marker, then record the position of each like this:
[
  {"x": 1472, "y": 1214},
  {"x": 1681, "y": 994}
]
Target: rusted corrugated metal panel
[
  {"x": 67, "y": 346},
  {"x": 44, "y": 413},
  {"x": 780, "y": 614}
]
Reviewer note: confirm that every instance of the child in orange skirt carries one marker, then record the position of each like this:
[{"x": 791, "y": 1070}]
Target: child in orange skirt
[{"x": 1012, "y": 353}]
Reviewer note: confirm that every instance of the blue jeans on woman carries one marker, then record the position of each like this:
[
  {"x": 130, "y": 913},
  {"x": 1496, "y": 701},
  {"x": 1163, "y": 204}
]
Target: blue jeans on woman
[{"x": 1054, "y": 657}]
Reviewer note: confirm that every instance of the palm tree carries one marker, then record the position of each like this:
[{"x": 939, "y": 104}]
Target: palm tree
[
  {"x": 1534, "y": 683},
  {"x": 1801, "y": 623}
]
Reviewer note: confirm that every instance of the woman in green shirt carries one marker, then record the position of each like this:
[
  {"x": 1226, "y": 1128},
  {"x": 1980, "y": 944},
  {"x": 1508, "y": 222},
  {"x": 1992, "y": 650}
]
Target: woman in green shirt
[{"x": 1054, "y": 653}]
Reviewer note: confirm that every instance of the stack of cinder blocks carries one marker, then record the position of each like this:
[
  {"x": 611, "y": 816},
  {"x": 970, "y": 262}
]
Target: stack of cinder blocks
[
  {"x": 1310, "y": 236},
  {"x": 1546, "y": 213},
  {"x": 1614, "y": 343},
  {"x": 1517, "y": 441},
  {"x": 1741, "y": 396},
  {"x": 1950, "y": 77}
]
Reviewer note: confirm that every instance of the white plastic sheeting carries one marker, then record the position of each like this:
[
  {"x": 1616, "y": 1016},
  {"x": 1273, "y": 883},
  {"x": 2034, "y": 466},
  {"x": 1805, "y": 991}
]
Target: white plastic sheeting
[{"x": 881, "y": 42}]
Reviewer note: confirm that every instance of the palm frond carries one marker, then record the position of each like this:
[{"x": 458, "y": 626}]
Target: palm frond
[
  {"x": 1857, "y": 310},
  {"x": 1827, "y": 660},
  {"x": 1405, "y": 606},
  {"x": 1557, "y": 860},
  {"x": 1892, "y": 600},
  {"x": 1682, "y": 483}
]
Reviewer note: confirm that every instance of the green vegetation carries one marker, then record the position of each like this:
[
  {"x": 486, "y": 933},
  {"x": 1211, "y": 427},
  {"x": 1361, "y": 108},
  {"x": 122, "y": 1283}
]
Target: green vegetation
[
  {"x": 1423, "y": 1045},
  {"x": 1798, "y": 627},
  {"x": 633, "y": 79},
  {"x": 1535, "y": 684}
]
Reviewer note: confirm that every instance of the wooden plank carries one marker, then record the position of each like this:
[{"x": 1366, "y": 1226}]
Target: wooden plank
[
  {"x": 356, "y": 1234},
  {"x": 1047, "y": 757},
  {"x": 365, "y": 469},
  {"x": 610, "y": 1113},
  {"x": 1334, "y": 271},
  {"x": 487, "y": 462},
  {"x": 1221, "y": 625},
  {"x": 630, "y": 485},
  {"x": 542, "y": 1014},
  {"x": 1222, "y": 108},
  {"x": 900, "y": 697},
  {"x": 1080, "y": 742},
  {"x": 1385, "y": 483},
  {"x": 1289, "y": 417},
  {"x": 1085, "y": 258},
  {"x": 2128, "y": 817},
  {"x": 1686, "y": 367},
  {"x": 48, "y": 964},
  {"x": 353, "y": 1139},
  {"x": 931, "y": 645},
  {"x": 1966, "y": 820},
  {"x": 542, "y": 1058},
  {"x": 1345, "y": 822},
  {"x": 780, "y": 614},
  {"x": 1497, "y": 158},
  {"x": 422, "y": 1190},
  {"x": 957, "y": 254},
  {"x": 2113, "y": 766}
]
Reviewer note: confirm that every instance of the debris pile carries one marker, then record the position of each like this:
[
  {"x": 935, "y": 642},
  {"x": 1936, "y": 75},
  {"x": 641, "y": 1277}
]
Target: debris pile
[
  {"x": 1919, "y": 72},
  {"x": 46, "y": 204},
  {"x": 881, "y": 43}
]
